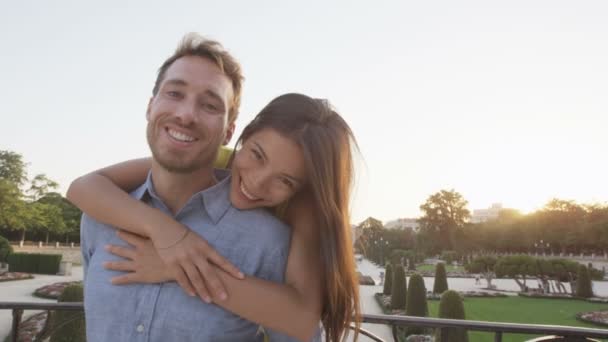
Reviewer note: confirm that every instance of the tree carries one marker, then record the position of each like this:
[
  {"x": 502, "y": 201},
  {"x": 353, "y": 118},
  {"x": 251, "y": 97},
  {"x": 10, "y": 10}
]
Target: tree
[
  {"x": 516, "y": 267},
  {"x": 416, "y": 302},
  {"x": 12, "y": 168},
  {"x": 371, "y": 229},
  {"x": 14, "y": 213},
  {"x": 399, "y": 289},
  {"x": 554, "y": 272},
  {"x": 449, "y": 256},
  {"x": 583, "y": 283},
  {"x": 485, "y": 266},
  {"x": 70, "y": 214},
  {"x": 41, "y": 185},
  {"x": 441, "y": 280},
  {"x": 561, "y": 222},
  {"x": 444, "y": 213},
  {"x": 388, "y": 280},
  {"x": 48, "y": 219},
  {"x": 451, "y": 306}
]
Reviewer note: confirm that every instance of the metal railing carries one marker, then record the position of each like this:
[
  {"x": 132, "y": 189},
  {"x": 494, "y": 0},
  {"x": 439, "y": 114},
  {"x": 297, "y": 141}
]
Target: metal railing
[{"x": 498, "y": 328}]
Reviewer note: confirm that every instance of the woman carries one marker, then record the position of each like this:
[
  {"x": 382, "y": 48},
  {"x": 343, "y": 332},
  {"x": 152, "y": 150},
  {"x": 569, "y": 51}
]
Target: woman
[{"x": 319, "y": 143}]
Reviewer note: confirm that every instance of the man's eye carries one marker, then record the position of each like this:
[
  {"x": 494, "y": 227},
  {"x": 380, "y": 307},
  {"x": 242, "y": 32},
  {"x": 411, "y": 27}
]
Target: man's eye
[
  {"x": 174, "y": 94},
  {"x": 209, "y": 107}
]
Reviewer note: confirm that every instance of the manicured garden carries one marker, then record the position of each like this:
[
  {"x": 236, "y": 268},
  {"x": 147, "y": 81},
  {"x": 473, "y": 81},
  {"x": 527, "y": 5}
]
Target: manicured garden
[{"x": 522, "y": 310}]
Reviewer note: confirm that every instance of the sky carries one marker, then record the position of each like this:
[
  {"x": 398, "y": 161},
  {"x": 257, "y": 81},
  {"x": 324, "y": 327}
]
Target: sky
[{"x": 503, "y": 101}]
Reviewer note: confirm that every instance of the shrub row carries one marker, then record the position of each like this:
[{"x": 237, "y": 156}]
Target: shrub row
[{"x": 34, "y": 263}]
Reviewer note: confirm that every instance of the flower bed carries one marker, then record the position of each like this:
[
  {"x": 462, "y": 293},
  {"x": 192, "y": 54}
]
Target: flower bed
[
  {"x": 468, "y": 294},
  {"x": 594, "y": 317},
  {"x": 52, "y": 291},
  {"x": 603, "y": 300},
  {"x": 365, "y": 280},
  {"x": 10, "y": 276},
  {"x": 30, "y": 329}
]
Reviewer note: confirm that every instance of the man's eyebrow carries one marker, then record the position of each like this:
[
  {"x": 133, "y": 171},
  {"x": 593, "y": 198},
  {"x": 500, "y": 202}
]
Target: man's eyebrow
[
  {"x": 295, "y": 179},
  {"x": 176, "y": 81}
]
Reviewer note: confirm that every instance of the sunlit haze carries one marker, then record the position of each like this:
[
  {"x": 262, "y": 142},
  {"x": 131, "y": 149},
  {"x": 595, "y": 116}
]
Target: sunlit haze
[{"x": 502, "y": 101}]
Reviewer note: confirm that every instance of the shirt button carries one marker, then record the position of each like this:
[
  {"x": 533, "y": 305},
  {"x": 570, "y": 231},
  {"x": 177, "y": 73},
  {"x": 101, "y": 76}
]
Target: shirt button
[{"x": 140, "y": 328}]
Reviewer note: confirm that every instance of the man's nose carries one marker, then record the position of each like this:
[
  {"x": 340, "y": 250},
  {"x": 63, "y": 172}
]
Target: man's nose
[{"x": 186, "y": 112}]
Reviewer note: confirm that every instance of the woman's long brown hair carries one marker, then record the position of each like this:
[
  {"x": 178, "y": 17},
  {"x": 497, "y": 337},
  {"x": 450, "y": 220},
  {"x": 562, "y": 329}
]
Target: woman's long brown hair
[{"x": 327, "y": 143}]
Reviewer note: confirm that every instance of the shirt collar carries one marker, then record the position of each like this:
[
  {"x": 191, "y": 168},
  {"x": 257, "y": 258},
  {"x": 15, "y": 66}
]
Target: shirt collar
[{"x": 215, "y": 200}]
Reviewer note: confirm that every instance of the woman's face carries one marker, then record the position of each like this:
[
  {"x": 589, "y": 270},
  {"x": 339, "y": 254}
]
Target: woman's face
[{"x": 267, "y": 170}]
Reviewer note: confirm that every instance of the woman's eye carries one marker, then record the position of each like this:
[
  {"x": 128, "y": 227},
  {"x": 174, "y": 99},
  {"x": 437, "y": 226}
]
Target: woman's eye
[
  {"x": 287, "y": 182},
  {"x": 257, "y": 155}
]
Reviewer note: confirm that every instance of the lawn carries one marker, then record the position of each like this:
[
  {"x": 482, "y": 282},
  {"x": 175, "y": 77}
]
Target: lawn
[{"x": 522, "y": 310}]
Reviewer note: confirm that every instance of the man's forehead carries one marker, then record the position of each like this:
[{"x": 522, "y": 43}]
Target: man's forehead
[{"x": 198, "y": 72}]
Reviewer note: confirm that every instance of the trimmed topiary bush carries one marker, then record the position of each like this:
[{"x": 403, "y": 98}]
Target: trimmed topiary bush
[
  {"x": 416, "y": 302},
  {"x": 67, "y": 326},
  {"x": 583, "y": 283},
  {"x": 388, "y": 280},
  {"x": 398, "y": 289},
  {"x": 451, "y": 306},
  {"x": 5, "y": 250},
  {"x": 411, "y": 264},
  {"x": 441, "y": 279}
]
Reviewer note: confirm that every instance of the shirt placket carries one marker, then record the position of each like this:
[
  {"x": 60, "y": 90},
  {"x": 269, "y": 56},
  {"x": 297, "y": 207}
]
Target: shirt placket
[{"x": 142, "y": 326}]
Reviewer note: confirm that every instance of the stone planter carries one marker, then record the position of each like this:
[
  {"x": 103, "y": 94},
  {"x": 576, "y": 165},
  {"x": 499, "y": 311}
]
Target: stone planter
[{"x": 65, "y": 268}]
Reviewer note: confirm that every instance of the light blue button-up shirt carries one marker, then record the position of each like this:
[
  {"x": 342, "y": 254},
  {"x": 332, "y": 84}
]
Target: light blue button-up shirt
[{"x": 253, "y": 240}]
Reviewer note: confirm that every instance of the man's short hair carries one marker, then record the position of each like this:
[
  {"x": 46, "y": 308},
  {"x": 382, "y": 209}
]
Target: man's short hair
[{"x": 193, "y": 44}]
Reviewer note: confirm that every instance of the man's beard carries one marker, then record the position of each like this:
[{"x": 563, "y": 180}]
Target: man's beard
[{"x": 175, "y": 165}]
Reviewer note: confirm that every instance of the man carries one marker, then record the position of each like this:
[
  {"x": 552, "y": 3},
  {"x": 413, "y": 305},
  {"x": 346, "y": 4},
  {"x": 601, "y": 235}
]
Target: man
[{"x": 191, "y": 113}]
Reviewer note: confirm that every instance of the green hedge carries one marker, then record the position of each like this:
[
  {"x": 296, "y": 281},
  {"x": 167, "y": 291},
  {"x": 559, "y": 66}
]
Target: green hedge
[
  {"x": 398, "y": 289},
  {"x": 67, "y": 326},
  {"x": 388, "y": 280},
  {"x": 440, "y": 284},
  {"x": 451, "y": 307},
  {"x": 5, "y": 249},
  {"x": 34, "y": 263},
  {"x": 416, "y": 304},
  {"x": 584, "y": 288}
]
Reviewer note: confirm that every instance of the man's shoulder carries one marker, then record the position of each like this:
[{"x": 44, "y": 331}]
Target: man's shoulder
[{"x": 260, "y": 218}]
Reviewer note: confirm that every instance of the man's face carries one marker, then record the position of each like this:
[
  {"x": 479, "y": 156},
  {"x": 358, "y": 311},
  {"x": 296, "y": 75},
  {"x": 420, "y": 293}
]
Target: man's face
[{"x": 188, "y": 117}]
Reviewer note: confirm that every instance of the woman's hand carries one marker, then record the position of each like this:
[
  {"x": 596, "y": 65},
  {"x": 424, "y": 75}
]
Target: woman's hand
[
  {"x": 143, "y": 263},
  {"x": 188, "y": 259}
]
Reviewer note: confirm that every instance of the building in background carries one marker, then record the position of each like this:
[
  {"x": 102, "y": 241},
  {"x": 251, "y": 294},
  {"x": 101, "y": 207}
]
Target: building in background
[
  {"x": 403, "y": 223},
  {"x": 484, "y": 215}
]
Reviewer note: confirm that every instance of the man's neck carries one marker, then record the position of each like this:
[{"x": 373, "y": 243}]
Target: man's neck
[{"x": 175, "y": 189}]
